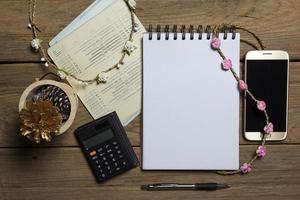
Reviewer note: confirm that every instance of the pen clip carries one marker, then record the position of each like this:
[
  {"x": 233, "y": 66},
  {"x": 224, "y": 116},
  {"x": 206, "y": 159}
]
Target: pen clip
[{"x": 163, "y": 184}]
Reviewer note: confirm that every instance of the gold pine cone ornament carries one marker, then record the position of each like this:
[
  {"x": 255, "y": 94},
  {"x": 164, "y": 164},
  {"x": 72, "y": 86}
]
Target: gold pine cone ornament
[{"x": 39, "y": 120}]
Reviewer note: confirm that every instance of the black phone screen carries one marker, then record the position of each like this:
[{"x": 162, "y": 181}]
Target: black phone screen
[{"x": 267, "y": 80}]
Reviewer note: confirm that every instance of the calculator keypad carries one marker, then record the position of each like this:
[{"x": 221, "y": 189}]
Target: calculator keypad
[{"x": 108, "y": 159}]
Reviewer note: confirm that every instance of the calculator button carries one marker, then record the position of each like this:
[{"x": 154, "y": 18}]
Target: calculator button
[{"x": 92, "y": 153}]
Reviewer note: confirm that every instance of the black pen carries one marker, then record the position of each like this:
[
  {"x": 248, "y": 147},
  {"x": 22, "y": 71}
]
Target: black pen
[{"x": 176, "y": 186}]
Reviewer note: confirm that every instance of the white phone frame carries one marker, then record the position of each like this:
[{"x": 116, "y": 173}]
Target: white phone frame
[{"x": 266, "y": 55}]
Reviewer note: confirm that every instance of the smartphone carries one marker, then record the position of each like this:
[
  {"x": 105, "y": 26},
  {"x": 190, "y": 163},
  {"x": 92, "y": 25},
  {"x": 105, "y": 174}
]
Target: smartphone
[{"x": 267, "y": 77}]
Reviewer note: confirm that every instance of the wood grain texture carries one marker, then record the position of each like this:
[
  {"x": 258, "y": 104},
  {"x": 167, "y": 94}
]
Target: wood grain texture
[
  {"x": 24, "y": 74},
  {"x": 275, "y": 21},
  {"x": 62, "y": 173}
]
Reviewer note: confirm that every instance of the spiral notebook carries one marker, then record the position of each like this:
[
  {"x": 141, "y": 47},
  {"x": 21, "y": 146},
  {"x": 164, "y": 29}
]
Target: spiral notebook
[{"x": 190, "y": 105}]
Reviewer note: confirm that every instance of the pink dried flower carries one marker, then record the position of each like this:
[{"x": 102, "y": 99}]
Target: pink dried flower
[
  {"x": 261, "y": 151},
  {"x": 227, "y": 64},
  {"x": 261, "y": 105},
  {"x": 215, "y": 43},
  {"x": 269, "y": 128},
  {"x": 243, "y": 85},
  {"x": 245, "y": 168}
]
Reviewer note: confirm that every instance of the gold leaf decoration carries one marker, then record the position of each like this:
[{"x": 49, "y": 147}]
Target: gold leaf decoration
[{"x": 39, "y": 120}]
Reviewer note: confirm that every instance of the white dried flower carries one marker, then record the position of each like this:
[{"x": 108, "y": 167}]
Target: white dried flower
[
  {"x": 129, "y": 47},
  {"x": 102, "y": 77},
  {"x": 35, "y": 44}
]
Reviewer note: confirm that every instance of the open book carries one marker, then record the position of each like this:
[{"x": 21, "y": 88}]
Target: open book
[{"x": 93, "y": 47}]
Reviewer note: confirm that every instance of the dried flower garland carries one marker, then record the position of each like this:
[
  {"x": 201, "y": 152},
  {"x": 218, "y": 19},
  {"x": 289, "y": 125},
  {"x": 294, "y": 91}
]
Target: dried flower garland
[
  {"x": 100, "y": 78},
  {"x": 261, "y": 150}
]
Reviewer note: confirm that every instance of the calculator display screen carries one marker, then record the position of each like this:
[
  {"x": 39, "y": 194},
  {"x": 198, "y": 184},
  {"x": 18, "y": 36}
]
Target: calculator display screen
[{"x": 99, "y": 138}]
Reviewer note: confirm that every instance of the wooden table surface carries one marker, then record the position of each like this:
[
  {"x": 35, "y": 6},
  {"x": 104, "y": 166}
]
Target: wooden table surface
[{"x": 58, "y": 170}]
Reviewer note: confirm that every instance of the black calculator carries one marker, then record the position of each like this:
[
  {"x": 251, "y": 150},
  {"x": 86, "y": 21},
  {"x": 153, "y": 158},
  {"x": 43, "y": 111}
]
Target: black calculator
[{"x": 106, "y": 147}]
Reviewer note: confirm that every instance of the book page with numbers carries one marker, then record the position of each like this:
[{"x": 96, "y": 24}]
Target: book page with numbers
[{"x": 93, "y": 48}]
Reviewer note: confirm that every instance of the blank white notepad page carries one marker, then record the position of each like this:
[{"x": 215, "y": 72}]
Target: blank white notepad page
[{"x": 190, "y": 105}]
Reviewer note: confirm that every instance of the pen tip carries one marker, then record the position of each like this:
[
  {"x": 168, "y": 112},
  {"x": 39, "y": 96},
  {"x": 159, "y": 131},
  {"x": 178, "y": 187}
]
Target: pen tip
[{"x": 221, "y": 186}]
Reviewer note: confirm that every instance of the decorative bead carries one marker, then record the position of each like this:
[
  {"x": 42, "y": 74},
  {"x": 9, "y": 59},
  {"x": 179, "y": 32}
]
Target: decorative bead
[
  {"x": 61, "y": 74},
  {"x": 245, "y": 168},
  {"x": 261, "y": 151},
  {"x": 85, "y": 83},
  {"x": 227, "y": 64},
  {"x": 135, "y": 27},
  {"x": 131, "y": 4},
  {"x": 46, "y": 64},
  {"x": 269, "y": 128},
  {"x": 261, "y": 105},
  {"x": 29, "y": 26},
  {"x": 215, "y": 43},
  {"x": 118, "y": 66},
  {"x": 102, "y": 77},
  {"x": 129, "y": 47},
  {"x": 35, "y": 44},
  {"x": 43, "y": 59},
  {"x": 243, "y": 85}
]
